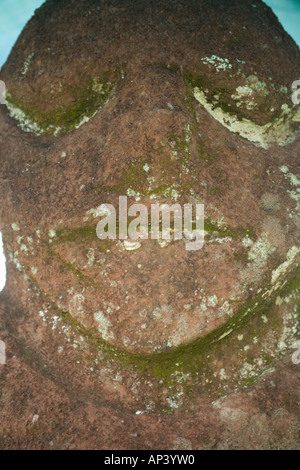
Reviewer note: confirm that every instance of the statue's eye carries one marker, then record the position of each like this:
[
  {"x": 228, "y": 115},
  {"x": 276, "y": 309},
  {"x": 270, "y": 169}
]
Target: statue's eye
[
  {"x": 72, "y": 107},
  {"x": 247, "y": 105}
]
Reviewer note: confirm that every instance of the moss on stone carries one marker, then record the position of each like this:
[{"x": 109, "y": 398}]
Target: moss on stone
[
  {"x": 195, "y": 361},
  {"x": 193, "y": 365},
  {"x": 85, "y": 102},
  {"x": 74, "y": 234}
]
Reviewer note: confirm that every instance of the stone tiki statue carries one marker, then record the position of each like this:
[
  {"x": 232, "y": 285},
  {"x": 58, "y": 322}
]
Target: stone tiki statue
[{"x": 163, "y": 102}]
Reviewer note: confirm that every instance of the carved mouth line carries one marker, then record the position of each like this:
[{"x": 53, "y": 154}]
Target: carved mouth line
[{"x": 196, "y": 359}]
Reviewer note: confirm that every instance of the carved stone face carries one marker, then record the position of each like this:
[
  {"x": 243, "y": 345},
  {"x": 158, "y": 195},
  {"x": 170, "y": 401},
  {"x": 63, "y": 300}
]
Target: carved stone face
[{"x": 186, "y": 105}]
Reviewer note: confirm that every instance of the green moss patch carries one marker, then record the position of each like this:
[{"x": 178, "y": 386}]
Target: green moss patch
[{"x": 85, "y": 102}]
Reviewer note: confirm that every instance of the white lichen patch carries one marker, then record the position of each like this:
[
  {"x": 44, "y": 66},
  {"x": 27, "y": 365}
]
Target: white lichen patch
[
  {"x": 244, "y": 97},
  {"x": 294, "y": 193},
  {"x": 15, "y": 227},
  {"x": 164, "y": 313},
  {"x": 92, "y": 212},
  {"x": 172, "y": 192},
  {"x": 131, "y": 193},
  {"x": 83, "y": 120},
  {"x": 218, "y": 62},
  {"x": 76, "y": 305},
  {"x": 261, "y": 249},
  {"x": 225, "y": 334},
  {"x": 258, "y": 257},
  {"x": 175, "y": 400},
  {"x": 13, "y": 257},
  {"x": 281, "y": 130},
  {"x": 289, "y": 330},
  {"x": 242, "y": 91},
  {"x": 24, "y": 248},
  {"x": 24, "y": 122},
  {"x": 91, "y": 257},
  {"x": 27, "y": 63},
  {"x": 188, "y": 134},
  {"x": 285, "y": 266},
  {"x": 212, "y": 301},
  {"x": 126, "y": 341},
  {"x": 247, "y": 242},
  {"x": 165, "y": 237},
  {"x": 279, "y": 274},
  {"x": 163, "y": 243},
  {"x": 294, "y": 180},
  {"x": 258, "y": 86},
  {"x": 55, "y": 320},
  {"x": 248, "y": 370},
  {"x": 225, "y": 309},
  {"x": 131, "y": 245},
  {"x": 103, "y": 326}
]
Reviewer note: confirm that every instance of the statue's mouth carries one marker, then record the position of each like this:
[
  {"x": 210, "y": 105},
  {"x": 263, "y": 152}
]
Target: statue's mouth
[{"x": 146, "y": 298}]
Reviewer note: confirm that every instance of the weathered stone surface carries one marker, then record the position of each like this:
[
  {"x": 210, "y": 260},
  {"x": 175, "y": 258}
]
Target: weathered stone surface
[{"x": 165, "y": 102}]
